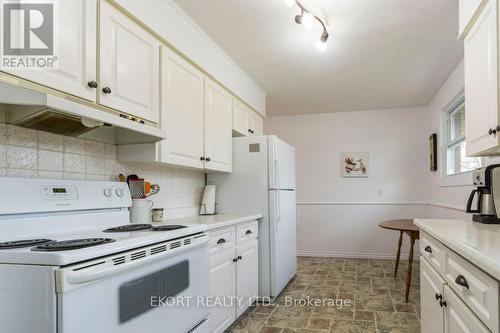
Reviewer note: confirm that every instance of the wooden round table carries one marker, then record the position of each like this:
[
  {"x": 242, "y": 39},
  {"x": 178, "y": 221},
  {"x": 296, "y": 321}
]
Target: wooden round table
[{"x": 404, "y": 226}]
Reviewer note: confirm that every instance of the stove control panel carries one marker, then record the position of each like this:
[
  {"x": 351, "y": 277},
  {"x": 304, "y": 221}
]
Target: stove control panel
[
  {"x": 27, "y": 195},
  {"x": 59, "y": 192}
]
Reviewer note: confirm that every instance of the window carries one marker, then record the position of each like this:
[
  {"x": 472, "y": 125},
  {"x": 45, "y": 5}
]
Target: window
[{"x": 457, "y": 161}]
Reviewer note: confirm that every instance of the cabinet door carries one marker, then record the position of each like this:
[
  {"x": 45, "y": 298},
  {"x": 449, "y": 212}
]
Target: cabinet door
[
  {"x": 247, "y": 282},
  {"x": 218, "y": 127},
  {"x": 222, "y": 288},
  {"x": 129, "y": 66},
  {"x": 431, "y": 291},
  {"x": 255, "y": 123},
  {"x": 240, "y": 118},
  {"x": 182, "y": 111},
  {"x": 258, "y": 125},
  {"x": 76, "y": 58},
  {"x": 481, "y": 86},
  {"x": 458, "y": 318}
]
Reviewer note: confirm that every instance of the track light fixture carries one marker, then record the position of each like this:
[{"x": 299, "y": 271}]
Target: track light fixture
[{"x": 306, "y": 18}]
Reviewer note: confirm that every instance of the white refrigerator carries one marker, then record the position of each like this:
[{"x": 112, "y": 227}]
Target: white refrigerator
[{"x": 263, "y": 182}]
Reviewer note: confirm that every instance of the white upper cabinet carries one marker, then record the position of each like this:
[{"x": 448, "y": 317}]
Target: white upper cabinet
[
  {"x": 76, "y": 59},
  {"x": 182, "y": 111},
  {"x": 240, "y": 118},
  {"x": 218, "y": 127},
  {"x": 481, "y": 83},
  {"x": 255, "y": 123},
  {"x": 129, "y": 66},
  {"x": 468, "y": 12}
]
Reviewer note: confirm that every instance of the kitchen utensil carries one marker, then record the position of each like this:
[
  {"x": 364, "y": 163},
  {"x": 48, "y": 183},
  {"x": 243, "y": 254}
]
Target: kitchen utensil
[
  {"x": 155, "y": 188},
  {"x": 130, "y": 177},
  {"x": 157, "y": 214},
  {"x": 137, "y": 188},
  {"x": 147, "y": 188},
  {"x": 208, "y": 203},
  {"x": 140, "y": 211}
]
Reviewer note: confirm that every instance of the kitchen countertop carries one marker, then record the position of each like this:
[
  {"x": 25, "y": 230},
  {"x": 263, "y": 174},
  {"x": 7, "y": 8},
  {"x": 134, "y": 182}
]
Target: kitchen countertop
[
  {"x": 478, "y": 243},
  {"x": 212, "y": 221}
]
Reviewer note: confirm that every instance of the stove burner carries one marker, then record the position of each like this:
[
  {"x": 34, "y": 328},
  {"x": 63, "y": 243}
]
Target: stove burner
[
  {"x": 22, "y": 243},
  {"x": 168, "y": 227},
  {"x": 72, "y": 244},
  {"x": 129, "y": 227}
]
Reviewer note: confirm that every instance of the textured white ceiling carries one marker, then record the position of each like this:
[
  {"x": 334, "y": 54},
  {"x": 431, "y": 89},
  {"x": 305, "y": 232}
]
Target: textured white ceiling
[{"x": 381, "y": 53}]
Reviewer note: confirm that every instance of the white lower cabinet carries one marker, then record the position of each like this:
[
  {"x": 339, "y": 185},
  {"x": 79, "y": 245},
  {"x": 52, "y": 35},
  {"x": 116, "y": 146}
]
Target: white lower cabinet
[
  {"x": 431, "y": 292},
  {"x": 222, "y": 285},
  {"x": 458, "y": 318},
  {"x": 234, "y": 273},
  {"x": 446, "y": 309},
  {"x": 247, "y": 278}
]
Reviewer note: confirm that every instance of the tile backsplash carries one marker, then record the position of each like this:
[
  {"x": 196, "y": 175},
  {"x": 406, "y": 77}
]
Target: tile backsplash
[{"x": 30, "y": 153}]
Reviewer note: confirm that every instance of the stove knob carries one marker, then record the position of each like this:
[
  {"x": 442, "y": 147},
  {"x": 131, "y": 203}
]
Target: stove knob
[
  {"x": 120, "y": 193},
  {"x": 108, "y": 192}
]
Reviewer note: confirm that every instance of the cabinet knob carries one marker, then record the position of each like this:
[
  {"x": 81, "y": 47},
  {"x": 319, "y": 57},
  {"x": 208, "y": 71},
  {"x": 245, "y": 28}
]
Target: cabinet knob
[
  {"x": 249, "y": 131},
  {"x": 221, "y": 241},
  {"x": 461, "y": 281},
  {"x": 249, "y": 232},
  {"x": 428, "y": 249},
  {"x": 492, "y": 131},
  {"x": 498, "y": 128},
  {"x": 235, "y": 259},
  {"x": 106, "y": 90},
  {"x": 207, "y": 159},
  {"x": 240, "y": 257},
  {"x": 443, "y": 303},
  {"x": 202, "y": 158},
  {"x": 92, "y": 84},
  {"x": 438, "y": 297}
]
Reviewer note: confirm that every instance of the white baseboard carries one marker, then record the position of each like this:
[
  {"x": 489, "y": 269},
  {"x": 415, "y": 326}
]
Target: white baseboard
[{"x": 354, "y": 255}]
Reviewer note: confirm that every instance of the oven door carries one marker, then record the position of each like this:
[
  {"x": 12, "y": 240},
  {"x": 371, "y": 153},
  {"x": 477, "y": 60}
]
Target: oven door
[{"x": 158, "y": 292}]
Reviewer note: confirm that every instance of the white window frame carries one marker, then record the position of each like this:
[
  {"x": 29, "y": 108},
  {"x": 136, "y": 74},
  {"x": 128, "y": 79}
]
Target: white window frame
[{"x": 458, "y": 179}]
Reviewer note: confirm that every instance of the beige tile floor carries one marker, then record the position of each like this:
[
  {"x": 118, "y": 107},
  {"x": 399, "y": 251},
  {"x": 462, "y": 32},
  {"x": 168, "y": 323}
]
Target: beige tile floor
[{"x": 377, "y": 300}]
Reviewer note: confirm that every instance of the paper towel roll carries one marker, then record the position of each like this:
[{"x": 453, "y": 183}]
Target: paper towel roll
[{"x": 208, "y": 202}]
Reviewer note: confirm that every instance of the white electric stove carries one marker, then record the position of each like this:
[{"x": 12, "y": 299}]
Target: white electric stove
[{"x": 71, "y": 262}]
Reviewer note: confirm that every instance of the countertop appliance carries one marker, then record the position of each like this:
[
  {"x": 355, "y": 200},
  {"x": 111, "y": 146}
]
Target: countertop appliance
[
  {"x": 263, "y": 182},
  {"x": 487, "y": 182},
  {"x": 70, "y": 262}
]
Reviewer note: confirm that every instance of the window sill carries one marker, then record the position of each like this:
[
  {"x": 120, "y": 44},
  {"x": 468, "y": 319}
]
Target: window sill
[{"x": 460, "y": 179}]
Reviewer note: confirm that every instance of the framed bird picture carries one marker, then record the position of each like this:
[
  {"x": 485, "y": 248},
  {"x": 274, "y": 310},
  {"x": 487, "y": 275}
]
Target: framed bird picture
[
  {"x": 433, "y": 152},
  {"x": 355, "y": 165}
]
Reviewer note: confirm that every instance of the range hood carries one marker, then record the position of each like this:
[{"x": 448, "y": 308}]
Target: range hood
[{"x": 44, "y": 112}]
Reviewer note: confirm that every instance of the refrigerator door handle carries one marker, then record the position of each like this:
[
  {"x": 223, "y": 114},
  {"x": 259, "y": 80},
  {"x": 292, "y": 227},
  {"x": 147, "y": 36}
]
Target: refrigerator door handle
[
  {"x": 278, "y": 210},
  {"x": 277, "y": 173}
]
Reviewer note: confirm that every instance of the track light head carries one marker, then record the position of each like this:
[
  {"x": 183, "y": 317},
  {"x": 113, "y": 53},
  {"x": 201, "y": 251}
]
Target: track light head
[
  {"x": 298, "y": 19},
  {"x": 324, "y": 36}
]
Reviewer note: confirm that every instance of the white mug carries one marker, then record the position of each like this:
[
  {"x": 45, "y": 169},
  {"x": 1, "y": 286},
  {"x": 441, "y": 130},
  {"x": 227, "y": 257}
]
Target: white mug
[{"x": 140, "y": 211}]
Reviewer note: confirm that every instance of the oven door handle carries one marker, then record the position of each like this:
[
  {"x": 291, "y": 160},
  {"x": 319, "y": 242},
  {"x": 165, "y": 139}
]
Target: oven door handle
[{"x": 69, "y": 278}]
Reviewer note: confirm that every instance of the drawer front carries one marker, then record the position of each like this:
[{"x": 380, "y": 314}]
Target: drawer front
[
  {"x": 247, "y": 231},
  {"x": 432, "y": 250},
  {"x": 221, "y": 239},
  {"x": 476, "y": 289},
  {"x": 458, "y": 318}
]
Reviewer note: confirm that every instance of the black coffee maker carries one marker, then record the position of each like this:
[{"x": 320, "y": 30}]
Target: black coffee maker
[{"x": 487, "y": 181}]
